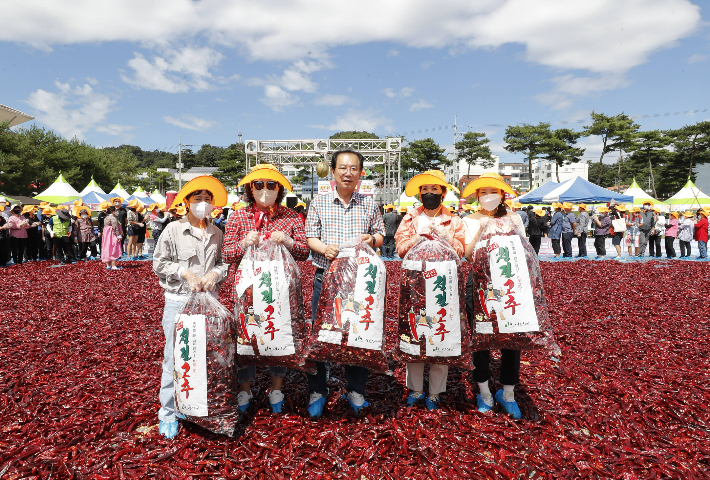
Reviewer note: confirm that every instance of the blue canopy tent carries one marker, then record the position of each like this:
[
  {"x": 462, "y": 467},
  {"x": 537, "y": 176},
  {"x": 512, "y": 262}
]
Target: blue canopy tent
[
  {"x": 142, "y": 200},
  {"x": 579, "y": 190},
  {"x": 535, "y": 196},
  {"x": 93, "y": 199}
]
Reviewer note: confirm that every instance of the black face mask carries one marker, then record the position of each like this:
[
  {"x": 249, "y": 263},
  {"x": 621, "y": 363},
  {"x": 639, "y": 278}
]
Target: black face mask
[{"x": 431, "y": 200}]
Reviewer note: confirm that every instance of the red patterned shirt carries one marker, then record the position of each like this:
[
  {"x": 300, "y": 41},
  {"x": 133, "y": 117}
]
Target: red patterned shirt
[{"x": 284, "y": 220}]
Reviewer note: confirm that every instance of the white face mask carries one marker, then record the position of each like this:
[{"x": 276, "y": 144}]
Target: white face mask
[
  {"x": 490, "y": 202},
  {"x": 200, "y": 210},
  {"x": 265, "y": 197},
  {"x": 84, "y": 216}
]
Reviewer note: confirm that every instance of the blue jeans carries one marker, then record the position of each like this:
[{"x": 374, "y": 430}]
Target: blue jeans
[
  {"x": 167, "y": 390},
  {"x": 356, "y": 376},
  {"x": 703, "y": 247}
]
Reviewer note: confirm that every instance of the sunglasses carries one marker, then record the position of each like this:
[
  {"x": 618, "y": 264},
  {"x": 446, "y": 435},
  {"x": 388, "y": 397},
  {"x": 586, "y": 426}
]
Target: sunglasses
[{"x": 259, "y": 185}]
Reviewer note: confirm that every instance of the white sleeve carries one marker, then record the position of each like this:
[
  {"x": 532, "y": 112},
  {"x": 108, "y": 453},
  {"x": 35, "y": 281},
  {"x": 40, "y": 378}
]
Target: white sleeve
[{"x": 472, "y": 228}]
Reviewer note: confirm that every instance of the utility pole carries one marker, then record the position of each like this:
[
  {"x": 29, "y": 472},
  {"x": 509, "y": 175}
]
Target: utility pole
[{"x": 179, "y": 165}]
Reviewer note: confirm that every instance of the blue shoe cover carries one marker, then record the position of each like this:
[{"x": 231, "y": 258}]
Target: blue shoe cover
[
  {"x": 411, "y": 399},
  {"x": 315, "y": 409},
  {"x": 510, "y": 408},
  {"x": 276, "y": 407},
  {"x": 483, "y": 407},
  {"x": 180, "y": 415},
  {"x": 169, "y": 429},
  {"x": 357, "y": 408},
  {"x": 432, "y": 404}
]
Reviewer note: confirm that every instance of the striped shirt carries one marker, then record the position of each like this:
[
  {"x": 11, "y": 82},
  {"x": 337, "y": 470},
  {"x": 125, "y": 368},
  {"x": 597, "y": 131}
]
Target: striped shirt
[{"x": 333, "y": 223}]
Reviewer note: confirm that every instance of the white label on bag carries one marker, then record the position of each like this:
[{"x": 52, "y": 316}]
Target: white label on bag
[
  {"x": 513, "y": 299},
  {"x": 440, "y": 324},
  {"x": 328, "y": 336},
  {"x": 190, "y": 372},
  {"x": 364, "y": 308},
  {"x": 270, "y": 321},
  {"x": 410, "y": 348},
  {"x": 415, "y": 265},
  {"x": 245, "y": 276},
  {"x": 485, "y": 328}
]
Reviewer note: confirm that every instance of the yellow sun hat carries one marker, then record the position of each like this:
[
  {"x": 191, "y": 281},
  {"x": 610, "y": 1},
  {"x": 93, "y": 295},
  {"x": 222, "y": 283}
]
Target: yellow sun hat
[
  {"x": 78, "y": 202},
  {"x": 621, "y": 208},
  {"x": 161, "y": 206},
  {"x": 181, "y": 210},
  {"x": 430, "y": 177},
  {"x": 204, "y": 182},
  {"x": 152, "y": 207},
  {"x": 301, "y": 204},
  {"x": 603, "y": 209},
  {"x": 509, "y": 204},
  {"x": 556, "y": 205},
  {"x": 688, "y": 214},
  {"x": 216, "y": 212},
  {"x": 656, "y": 209},
  {"x": 487, "y": 180},
  {"x": 539, "y": 212},
  {"x": 104, "y": 205},
  {"x": 518, "y": 205},
  {"x": 674, "y": 214},
  {"x": 636, "y": 210},
  {"x": 48, "y": 211},
  {"x": 43, "y": 204},
  {"x": 134, "y": 204},
  {"x": 62, "y": 207},
  {"x": 567, "y": 205},
  {"x": 28, "y": 209},
  {"x": 77, "y": 210},
  {"x": 267, "y": 171},
  {"x": 649, "y": 202},
  {"x": 582, "y": 206},
  {"x": 113, "y": 199}
]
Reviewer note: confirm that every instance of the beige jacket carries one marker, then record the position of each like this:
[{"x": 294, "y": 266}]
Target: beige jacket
[{"x": 180, "y": 249}]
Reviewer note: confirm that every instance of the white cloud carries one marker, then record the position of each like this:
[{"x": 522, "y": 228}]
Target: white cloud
[
  {"x": 389, "y": 92},
  {"x": 404, "y": 92},
  {"x": 72, "y": 111},
  {"x": 190, "y": 122},
  {"x": 426, "y": 65},
  {"x": 177, "y": 70},
  {"x": 695, "y": 58},
  {"x": 276, "y": 98},
  {"x": 568, "y": 86},
  {"x": 332, "y": 100},
  {"x": 357, "y": 120},
  {"x": 598, "y": 36},
  {"x": 393, "y": 53},
  {"x": 92, "y": 80},
  {"x": 419, "y": 105}
]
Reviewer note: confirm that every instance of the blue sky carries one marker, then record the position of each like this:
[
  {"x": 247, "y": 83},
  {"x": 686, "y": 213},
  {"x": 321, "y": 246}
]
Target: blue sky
[{"x": 144, "y": 73}]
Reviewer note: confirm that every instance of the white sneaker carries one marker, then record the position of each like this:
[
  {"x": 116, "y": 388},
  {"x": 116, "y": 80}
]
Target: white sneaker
[
  {"x": 243, "y": 398},
  {"x": 487, "y": 398},
  {"x": 356, "y": 399},
  {"x": 314, "y": 398},
  {"x": 509, "y": 396},
  {"x": 275, "y": 396}
]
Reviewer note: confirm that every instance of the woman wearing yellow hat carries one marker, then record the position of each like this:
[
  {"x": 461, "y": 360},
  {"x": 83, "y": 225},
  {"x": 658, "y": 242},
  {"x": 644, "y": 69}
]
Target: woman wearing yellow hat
[
  {"x": 83, "y": 233},
  {"x": 686, "y": 231},
  {"x": 111, "y": 238},
  {"x": 47, "y": 252},
  {"x": 134, "y": 229},
  {"x": 701, "y": 234},
  {"x": 187, "y": 258},
  {"x": 264, "y": 218},
  {"x": 430, "y": 217},
  {"x": 33, "y": 232},
  {"x": 633, "y": 232},
  {"x": 659, "y": 226},
  {"x": 671, "y": 234},
  {"x": 602, "y": 224},
  {"x": 555, "y": 232},
  {"x": 158, "y": 221},
  {"x": 490, "y": 189},
  {"x": 535, "y": 224}
]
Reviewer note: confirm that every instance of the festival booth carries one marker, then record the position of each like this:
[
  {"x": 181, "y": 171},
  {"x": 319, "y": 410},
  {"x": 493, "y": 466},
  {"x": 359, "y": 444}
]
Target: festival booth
[
  {"x": 535, "y": 196},
  {"x": 59, "y": 192},
  {"x": 688, "y": 198},
  {"x": 407, "y": 201},
  {"x": 92, "y": 199},
  {"x": 118, "y": 191},
  {"x": 640, "y": 196},
  {"x": 92, "y": 187},
  {"x": 157, "y": 197}
]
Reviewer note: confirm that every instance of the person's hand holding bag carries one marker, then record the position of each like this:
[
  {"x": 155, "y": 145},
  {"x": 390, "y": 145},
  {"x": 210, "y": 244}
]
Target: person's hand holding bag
[
  {"x": 193, "y": 281},
  {"x": 209, "y": 281}
]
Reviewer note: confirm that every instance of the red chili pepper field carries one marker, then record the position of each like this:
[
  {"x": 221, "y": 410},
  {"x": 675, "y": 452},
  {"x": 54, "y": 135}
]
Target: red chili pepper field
[{"x": 80, "y": 353}]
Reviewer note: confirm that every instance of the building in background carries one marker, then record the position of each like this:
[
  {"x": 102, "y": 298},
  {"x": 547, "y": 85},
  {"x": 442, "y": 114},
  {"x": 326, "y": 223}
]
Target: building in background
[
  {"x": 702, "y": 176},
  {"x": 544, "y": 171},
  {"x": 459, "y": 169},
  {"x": 518, "y": 175}
]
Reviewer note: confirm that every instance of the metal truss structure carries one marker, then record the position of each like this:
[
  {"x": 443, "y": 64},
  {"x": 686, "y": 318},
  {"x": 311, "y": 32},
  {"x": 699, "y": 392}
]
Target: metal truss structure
[{"x": 385, "y": 152}]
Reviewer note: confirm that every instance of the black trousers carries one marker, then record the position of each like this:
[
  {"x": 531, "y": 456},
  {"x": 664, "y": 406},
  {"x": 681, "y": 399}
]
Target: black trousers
[
  {"x": 388, "y": 246},
  {"x": 535, "y": 242},
  {"x": 684, "y": 249},
  {"x": 85, "y": 246},
  {"x": 670, "y": 250},
  {"x": 582, "y": 245},
  {"x": 556, "y": 246},
  {"x": 567, "y": 244},
  {"x": 32, "y": 249},
  {"x": 600, "y": 245},
  {"x": 48, "y": 252},
  {"x": 509, "y": 366},
  {"x": 64, "y": 249},
  {"x": 17, "y": 247},
  {"x": 654, "y": 245}
]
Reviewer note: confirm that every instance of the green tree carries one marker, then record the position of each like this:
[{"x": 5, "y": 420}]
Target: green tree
[
  {"x": 474, "y": 149},
  {"x": 616, "y": 133},
  {"x": 232, "y": 165},
  {"x": 560, "y": 148},
  {"x": 650, "y": 148},
  {"x": 692, "y": 144},
  {"x": 423, "y": 155},
  {"x": 527, "y": 139},
  {"x": 209, "y": 156},
  {"x": 354, "y": 134}
]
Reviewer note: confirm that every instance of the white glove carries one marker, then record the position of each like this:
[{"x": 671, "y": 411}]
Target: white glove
[
  {"x": 192, "y": 280},
  {"x": 209, "y": 281},
  {"x": 252, "y": 238},
  {"x": 280, "y": 237},
  {"x": 443, "y": 233}
]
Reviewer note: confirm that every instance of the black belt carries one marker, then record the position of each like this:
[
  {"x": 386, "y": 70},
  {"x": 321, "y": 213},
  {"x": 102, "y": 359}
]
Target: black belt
[{"x": 320, "y": 270}]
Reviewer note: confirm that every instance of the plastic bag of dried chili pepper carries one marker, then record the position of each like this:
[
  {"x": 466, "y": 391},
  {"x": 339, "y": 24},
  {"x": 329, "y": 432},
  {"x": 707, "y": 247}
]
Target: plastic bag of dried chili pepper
[
  {"x": 505, "y": 285},
  {"x": 206, "y": 385},
  {"x": 349, "y": 325},
  {"x": 432, "y": 320},
  {"x": 269, "y": 309}
]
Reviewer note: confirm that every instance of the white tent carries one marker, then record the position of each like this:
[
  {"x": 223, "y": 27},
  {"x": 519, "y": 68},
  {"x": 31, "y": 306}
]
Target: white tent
[
  {"x": 232, "y": 197},
  {"x": 140, "y": 193},
  {"x": 119, "y": 191},
  {"x": 92, "y": 187},
  {"x": 157, "y": 197},
  {"x": 59, "y": 192},
  {"x": 405, "y": 201},
  {"x": 641, "y": 196},
  {"x": 688, "y": 198},
  {"x": 451, "y": 199}
]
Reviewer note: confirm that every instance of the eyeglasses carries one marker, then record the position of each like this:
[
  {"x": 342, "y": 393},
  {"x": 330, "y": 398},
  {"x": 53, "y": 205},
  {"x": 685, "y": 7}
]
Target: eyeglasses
[
  {"x": 345, "y": 169},
  {"x": 259, "y": 185}
]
